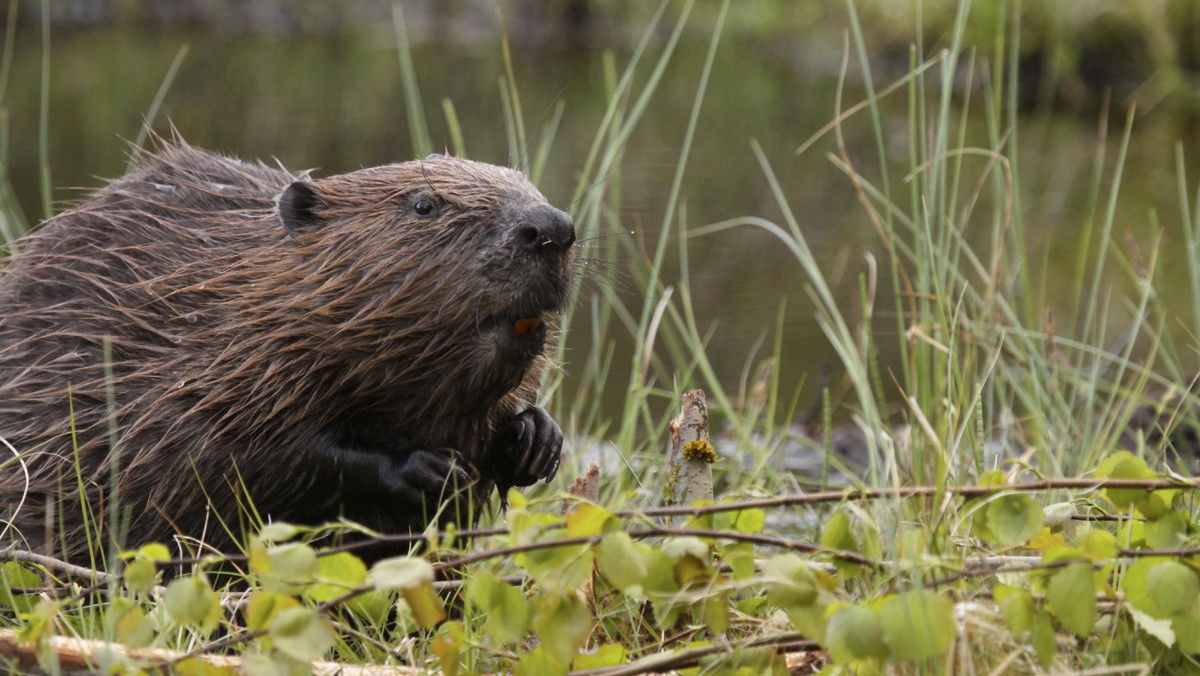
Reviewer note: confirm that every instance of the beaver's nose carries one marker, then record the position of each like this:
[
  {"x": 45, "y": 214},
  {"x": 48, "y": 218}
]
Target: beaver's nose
[{"x": 546, "y": 229}]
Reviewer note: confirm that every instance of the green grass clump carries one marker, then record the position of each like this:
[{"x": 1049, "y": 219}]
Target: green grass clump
[{"x": 1023, "y": 508}]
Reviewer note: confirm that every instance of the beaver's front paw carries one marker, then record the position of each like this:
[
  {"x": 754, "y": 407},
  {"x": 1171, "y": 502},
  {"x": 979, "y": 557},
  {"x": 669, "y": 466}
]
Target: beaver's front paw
[
  {"x": 525, "y": 448},
  {"x": 427, "y": 482}
]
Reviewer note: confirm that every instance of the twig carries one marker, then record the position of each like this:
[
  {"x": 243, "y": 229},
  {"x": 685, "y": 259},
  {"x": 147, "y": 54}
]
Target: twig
[
  {"x": 769, "y": 540},
  {"x": 83, "y": 655},
  {"x": 13, "y": 554},
  {"x": 692, "y": 656},
  {"x": 651, "y": 531},
  {"x": 855, "y": 494}
]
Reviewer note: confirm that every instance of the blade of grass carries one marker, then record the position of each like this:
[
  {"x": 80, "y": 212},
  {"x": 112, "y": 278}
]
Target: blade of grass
[
  {"x": 456, "y": 135},
  {"x": 44, "y": 116},
  {"x": 156, "y": 104},
  {"x": 418, "y": 130}
]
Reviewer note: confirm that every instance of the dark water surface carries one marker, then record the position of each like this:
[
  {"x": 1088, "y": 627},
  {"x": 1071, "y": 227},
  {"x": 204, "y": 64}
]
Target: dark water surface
[{"x": 335, "y": 102}]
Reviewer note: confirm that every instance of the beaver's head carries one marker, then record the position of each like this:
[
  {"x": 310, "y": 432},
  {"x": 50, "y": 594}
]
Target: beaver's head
[{"x": 441, "y": 270}]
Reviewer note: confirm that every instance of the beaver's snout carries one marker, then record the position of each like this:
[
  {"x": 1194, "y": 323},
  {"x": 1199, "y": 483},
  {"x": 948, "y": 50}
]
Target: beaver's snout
[{"x": 545, "y": 230}]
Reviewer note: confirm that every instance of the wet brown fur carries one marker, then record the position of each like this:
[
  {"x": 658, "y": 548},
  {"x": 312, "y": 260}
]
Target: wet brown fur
[{"x": 236, "y": 346}]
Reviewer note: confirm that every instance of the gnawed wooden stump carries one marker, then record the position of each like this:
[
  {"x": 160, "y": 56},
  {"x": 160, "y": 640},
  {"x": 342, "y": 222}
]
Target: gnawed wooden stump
[{"x": 689, "y": 463}]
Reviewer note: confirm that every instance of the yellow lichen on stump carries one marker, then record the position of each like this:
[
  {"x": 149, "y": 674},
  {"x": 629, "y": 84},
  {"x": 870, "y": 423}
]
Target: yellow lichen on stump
[{"x": 700, "y": 449}]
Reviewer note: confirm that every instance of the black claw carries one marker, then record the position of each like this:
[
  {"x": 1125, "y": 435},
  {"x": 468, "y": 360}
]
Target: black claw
[
  {"x": 552, "y": 471},
  {"x": 526, "y": 436},
  {"x": 525, "y": 448}
]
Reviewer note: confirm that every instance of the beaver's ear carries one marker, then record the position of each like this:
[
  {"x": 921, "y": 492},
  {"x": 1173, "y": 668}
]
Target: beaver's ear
[{"x": 298, "y": 205}]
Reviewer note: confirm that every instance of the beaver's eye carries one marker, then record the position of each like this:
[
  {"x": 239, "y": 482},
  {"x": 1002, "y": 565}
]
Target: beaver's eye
[{"x": 423, "y": 207}]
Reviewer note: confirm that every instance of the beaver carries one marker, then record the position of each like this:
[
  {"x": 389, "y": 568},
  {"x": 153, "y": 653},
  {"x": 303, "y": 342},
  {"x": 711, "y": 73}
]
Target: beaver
[{"x": 207, "y": 344}]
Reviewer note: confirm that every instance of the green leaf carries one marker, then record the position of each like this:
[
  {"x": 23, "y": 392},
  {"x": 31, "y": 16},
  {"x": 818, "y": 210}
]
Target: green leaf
[
  {"x": 140, "y": 575},
  {"x": 372, "y": 606},
  {"x": 740, "y": 558},
  {"x": 918, "y": 624},
  {"x": 748, "y": 521},
  {"x": 1152, "y": 506},
  {"x": 1168, "y": 531},
  {"x": 752, "y": 605},
  {"x": 619, "y": 561},
  {"x": 291, "y": 567},
  {"x": 425, "y": 604},
  {"x": 257, "y": 557},
  {"x": 789, "y": 582},
  {"x": 677, "y": 548},
  {"x": 562, "y": 567},
  {"x": 1014, "y": 519},
  {"x": 691, "y": 570},
  {"x": 1046, "y": 540},
  {"x": 1100, "y": 545},
  {"x": 609, "y": 655},
  {"x": 660, "y": 570},
  {"x": 338, "y": 573},
  {"x": 13, "y": 574},
  {"x": 529, "y": 527},
  {"x": 1108, "y": 464},
  {"x": 38, "y": 624},
  {"x": 1071, "y": 597},
  {"x": 715, "y": 612},
  {"x": 505, "y": 605},
  {"x": 129, "y": 623},
  {"x": 302, "y": 634},
  {"x": 540, "y": 662},
  {"x": 1058, "y": 514},
  {"x": 191, "y": 601},
  {"x": 135, "y": 630},
  {"x": 1132, "y": 534},
  {"x": 403, "y": 572},
  {"x": 977, "y": 508},
  {"x": 264, "y": 605},
  {"x": 1133, "y": 585},
  {"x": 809, "y": 620},
  {"x": 993, "y": 478},
  {"x": 1016, "y": 606},
  {"x": 447, "y": 645},
  {"x": 1063, "y": 554},
  {"x": 1124, "y": 465},
  {"x": 563, "y": 624},
  {"x": 837, "y": 535},
  {"x": 1160, "y": 629},
  {"x": 667, "y": 610},
  {"x": 855, "y": 633},
  {"x": 587, "y": 520},
  {"x": 516, "y": 500},
  {"x": 1173, "y": 587},
  {"x": 279, "y": 531},
  {"x": 1187, "y": 629}
]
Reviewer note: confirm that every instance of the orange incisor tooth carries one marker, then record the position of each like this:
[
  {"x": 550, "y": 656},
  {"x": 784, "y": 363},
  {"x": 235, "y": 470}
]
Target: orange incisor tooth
[{"x": 523, "y": 326}]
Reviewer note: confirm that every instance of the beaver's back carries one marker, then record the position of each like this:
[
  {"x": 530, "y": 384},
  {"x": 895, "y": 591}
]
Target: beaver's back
[{"x": 111, "y": 293}]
